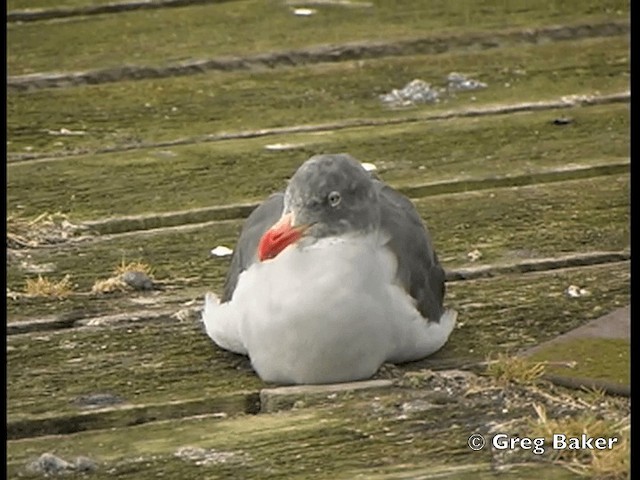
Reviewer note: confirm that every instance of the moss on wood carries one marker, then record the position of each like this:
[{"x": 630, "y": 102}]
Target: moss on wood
[
  {"x": 503, "y": 225},
  {"x": 129, "y": 113},
  {"x": 148, "y": 37},
  {"x": 595, "y": 358},
  {"x": 243, "y": 170},
  {"x": 152, "y": 363}
]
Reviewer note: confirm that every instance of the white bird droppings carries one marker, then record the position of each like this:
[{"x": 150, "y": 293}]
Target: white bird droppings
[
  {"x": 304, "y": 12},
  {"x": 369, "y": 167},
  {"x": 221, "y": 251}
]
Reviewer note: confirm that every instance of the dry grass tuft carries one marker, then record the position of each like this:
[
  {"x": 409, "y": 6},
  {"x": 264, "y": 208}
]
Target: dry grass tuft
[
  {"x": 117, "y": 283},
  {"x": 514, "y": 369},
  {"x": 605, "y": 464},
  {"x": 44, "y": 287},
  {"x": 136, "y": 266},
  {"x": 109, "y": 285}
]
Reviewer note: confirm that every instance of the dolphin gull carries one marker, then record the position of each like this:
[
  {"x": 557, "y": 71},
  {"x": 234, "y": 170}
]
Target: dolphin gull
[{"x": 331, "y": 279}]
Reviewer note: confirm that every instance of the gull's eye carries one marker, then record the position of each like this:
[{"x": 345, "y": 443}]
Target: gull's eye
[{"x": 334, "y": 198}]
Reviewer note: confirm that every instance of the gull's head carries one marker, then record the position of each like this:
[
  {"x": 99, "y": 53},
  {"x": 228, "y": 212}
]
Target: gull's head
[{"x": 329, "y": 195}]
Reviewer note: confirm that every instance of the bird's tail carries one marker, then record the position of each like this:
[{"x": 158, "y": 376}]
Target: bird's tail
[
  {"x": 221, "y": 323},
  {"x": 449, "y": 318},
  {"x": 211, "y": 305}
]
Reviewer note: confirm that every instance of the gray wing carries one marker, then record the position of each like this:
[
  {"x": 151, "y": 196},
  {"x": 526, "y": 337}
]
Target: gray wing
[
  {"x": 245, "y": 253},
  {"x": 419, "y": 270}
]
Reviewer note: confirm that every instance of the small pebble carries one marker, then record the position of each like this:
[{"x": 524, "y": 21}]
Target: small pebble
[{"x": 138, "y": 280}]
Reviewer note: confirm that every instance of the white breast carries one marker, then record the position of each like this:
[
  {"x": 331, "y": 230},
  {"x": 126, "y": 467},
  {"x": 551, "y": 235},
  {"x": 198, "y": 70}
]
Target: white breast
[{"x": 329, "y": 312}]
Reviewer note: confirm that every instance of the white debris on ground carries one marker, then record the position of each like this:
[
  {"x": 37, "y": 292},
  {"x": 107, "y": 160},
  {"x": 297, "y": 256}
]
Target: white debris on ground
[
  {"x": 193, "y": 314},
  {"x": 304, "y": 12},
  {"x": 414, "y": 92},
  {"x": 49, "y": 464},
  {"x": 30, "y": 267},
  {"x": 573, "y": 291},
  {"x": 202, "y": 457},
  {"x": 474, "y": 255},
  {"x": 191, "y": 311},
  {"x": 458, "y": 82},
  {"x": 418, "y": 91},
  {"x": 221, "y": 251},
  {"x": 67, "y": 132},
  {"x": 283, "y": 146},
  {"x": 333, "y": 3},
  {"x": 369, "y": 167}
]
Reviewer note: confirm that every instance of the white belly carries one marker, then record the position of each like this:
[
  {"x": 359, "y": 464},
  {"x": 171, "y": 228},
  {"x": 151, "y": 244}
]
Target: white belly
[{"x": 326, "y": 313}]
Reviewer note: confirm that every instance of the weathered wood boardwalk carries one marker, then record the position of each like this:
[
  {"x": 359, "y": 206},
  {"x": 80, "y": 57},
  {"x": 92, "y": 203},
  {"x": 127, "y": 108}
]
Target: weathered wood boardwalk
[{"x": 156, "y": 127}]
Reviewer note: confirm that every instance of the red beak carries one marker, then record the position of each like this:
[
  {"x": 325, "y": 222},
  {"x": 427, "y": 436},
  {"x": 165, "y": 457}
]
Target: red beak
[{"x": 279, "y": 237}]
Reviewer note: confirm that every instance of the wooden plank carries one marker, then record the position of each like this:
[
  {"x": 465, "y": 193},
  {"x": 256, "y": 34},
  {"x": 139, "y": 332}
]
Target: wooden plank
[
  {"x": 49, "y": 373},
  {"x": 506, "y": 225},
  {"x": 218, "y": 29},
  {"x": 263, "y": 445},
  {"x": 363, "y": 436},
  {"x": 243, "y": 170},
  {"x": 387, "y": 432},
  {"x": 56, "y": 372},
  {"x": 530, "y": 174},
  {"x": 350, "y": 51},
  {"x": 188, "y": 109},
  {"x": 132, "y": 223}
]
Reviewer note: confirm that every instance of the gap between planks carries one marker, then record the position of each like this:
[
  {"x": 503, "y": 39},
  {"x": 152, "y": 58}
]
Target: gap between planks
[
  {"x": 38, "y": 14},
  {"x": 247, "y": 402}
]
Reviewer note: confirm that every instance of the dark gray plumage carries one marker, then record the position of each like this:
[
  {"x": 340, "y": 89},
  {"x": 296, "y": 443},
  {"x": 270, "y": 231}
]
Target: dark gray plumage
[
  {"x": 245, "y": 253},
  {"x": 419, "y": 270}
]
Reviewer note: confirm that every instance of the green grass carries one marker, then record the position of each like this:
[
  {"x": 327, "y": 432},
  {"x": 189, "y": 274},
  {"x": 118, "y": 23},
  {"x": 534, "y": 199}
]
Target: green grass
[
  {"x": 147, "y": 111},
  {"x": 161, "y": 36}
]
